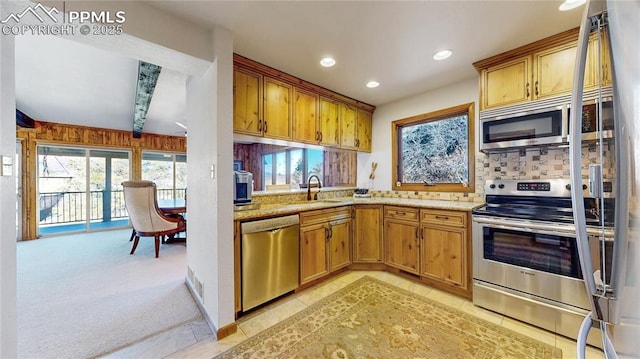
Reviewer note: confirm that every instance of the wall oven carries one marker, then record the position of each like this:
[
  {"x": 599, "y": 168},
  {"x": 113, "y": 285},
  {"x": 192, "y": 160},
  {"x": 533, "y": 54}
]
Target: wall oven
[{"x": 526, "y": 262}]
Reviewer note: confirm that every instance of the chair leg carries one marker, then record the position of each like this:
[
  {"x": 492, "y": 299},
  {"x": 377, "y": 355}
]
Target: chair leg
[
  {"x": 133, "y": 234},
  {"x": 157, "y": 245},
  {"x": 135, "y": 244}
]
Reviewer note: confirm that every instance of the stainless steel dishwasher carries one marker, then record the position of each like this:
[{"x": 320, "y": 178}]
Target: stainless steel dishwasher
[{"x": 270, "y": 257}]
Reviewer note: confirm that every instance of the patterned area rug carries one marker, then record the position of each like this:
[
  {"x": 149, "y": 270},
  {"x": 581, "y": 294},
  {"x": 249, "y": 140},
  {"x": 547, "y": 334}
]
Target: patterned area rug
[{"x": 372, "y": 319}]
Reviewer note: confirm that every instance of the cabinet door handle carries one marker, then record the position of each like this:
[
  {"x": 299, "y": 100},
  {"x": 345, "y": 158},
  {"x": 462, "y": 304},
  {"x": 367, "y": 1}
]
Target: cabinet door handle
[
  {"x": 536, "y": 88},
  {"x": 317, "y": 136},
  {"x": 320, "y": 136},
  {"x": 527, "y": 86},
  {"x": 417, "y": 234},
  {"x": 265, "y": 126},
  {"x": 330, "y": 231},
  {"x": 326, "y": 234},
  {"x": 260, "y": 125},
  {"x": 444, "y": 218}
]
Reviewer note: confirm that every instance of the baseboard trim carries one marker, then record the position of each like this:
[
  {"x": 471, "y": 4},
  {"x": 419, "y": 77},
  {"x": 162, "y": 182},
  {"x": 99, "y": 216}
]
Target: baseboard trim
[{"x": 223, "y": 332}]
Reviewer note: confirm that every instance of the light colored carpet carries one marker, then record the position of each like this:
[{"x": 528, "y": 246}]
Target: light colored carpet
[
  {"x": 373, "y": 319},
  {"x": 81, "y": 296}
]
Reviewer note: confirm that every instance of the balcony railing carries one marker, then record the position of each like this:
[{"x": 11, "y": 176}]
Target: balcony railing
[{"x": 105, "y": 206}]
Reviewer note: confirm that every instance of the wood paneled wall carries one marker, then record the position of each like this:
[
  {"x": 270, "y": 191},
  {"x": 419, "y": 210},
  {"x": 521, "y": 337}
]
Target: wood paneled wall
[
  {"x": 340, "y": 166},
  {"x": 81, "y": 136}
]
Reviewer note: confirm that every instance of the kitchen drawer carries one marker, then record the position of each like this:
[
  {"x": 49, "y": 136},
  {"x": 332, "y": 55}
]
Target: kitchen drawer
[
  {"x": 406, "y": 213},
  {"x": 324, "y": 215},
  {"x": 446, "y": 218}
]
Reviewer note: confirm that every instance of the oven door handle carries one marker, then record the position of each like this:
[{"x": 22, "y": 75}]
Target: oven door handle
[{"x": 550, "y": 229}]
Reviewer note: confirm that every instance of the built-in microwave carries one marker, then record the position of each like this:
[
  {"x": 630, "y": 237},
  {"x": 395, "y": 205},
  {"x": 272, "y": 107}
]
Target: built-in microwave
[
  {"x": 591, "y": 127},
  {"x": 546, "y": 126}
]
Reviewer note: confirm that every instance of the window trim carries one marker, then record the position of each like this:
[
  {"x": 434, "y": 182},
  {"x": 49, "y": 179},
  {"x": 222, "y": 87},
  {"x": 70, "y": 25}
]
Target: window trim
[{"x": 465, "y": 109}]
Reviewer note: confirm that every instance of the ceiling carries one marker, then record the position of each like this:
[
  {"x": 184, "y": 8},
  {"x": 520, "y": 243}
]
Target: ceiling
[{"x": 391, "y": 42}]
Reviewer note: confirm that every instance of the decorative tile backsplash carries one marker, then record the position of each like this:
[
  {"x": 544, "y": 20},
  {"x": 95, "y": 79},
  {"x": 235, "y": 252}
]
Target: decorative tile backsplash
[{"x": 540, "y": 163}]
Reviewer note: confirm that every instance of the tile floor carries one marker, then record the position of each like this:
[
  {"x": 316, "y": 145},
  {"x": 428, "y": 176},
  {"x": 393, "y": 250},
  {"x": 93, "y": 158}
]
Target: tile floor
[{"x": 195, "y": 341}]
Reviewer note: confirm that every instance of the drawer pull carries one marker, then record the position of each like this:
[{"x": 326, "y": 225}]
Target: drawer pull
[
  {"x": 444, "y": 218},
  {"x": 401, "y": 213}
]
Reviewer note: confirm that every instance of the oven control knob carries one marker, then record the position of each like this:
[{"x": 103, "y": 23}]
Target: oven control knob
[
  {"x": 492, "y": 186},
  {"x": 501, "y": 186}
]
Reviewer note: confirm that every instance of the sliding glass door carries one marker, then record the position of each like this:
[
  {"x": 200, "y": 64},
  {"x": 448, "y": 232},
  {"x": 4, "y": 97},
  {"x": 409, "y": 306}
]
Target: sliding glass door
[
  {"x": 168, "y": 171},
  {"x": 79, "y": 189}
]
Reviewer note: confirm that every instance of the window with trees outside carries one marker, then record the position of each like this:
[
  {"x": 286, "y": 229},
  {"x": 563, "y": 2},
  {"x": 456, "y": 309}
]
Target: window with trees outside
[
  {"x": 292, "y": 166},
  {"x": 168, "y": 171},
  {"x": 435, "y": 151}
]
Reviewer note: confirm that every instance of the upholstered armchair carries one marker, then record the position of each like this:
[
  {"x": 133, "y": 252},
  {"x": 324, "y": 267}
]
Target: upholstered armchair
[{"x": 147, "y": 219}]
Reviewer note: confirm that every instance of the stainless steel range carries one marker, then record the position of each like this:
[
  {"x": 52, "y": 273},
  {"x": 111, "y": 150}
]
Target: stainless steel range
[{"x": 526, "y": 263}]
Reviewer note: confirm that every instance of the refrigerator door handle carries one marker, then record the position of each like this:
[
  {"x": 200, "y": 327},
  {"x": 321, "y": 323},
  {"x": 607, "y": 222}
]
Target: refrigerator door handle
[{"x": 575, "y": 157}]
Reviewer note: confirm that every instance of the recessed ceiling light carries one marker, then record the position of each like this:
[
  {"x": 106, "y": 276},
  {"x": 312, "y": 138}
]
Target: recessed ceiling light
[
  {"x": 327, "y": 62},
  {"x": 571, "y": 4},
  {"x": 372, "y": 84},
  {"x": 441, "y": 55}
]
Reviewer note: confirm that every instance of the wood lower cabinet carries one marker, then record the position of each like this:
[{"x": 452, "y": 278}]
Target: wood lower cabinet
[
  {"x": 444, "y": 248},
  {"x": 313, "y": 252},
  {"x": 325, "y": 242},
  {"x": 401, "y": 241},
  {"x": 339, "y": 244},
  {"x": 367, "y": 234},
  {"x": 442, "y": 254}
]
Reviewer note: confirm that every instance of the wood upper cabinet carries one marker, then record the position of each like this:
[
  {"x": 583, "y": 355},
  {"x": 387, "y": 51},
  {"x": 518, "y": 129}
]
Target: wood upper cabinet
[
  {"x": 305, "y": 116},
  {"x": 443, "y": 249},
  {"x": 364, "y": 126},
  {"x": 600, "y": 66},
  {"x": 271, "y": 103},
  {"x": 355, "y": 128},
  {"x": 325, "y": 242},
  {"x": 329, "y": 123},
  {"x": 540, "y": 70},
  {"x": 277, "y": 109},
  {"x": 401, "y": 242},
  {"x": 348, "y": 130},
  {"x": 367, "y": 234},
  {"x": 553, "y": 71},
  {"x": 506, "y": 83},
  {"x": 247, "y": 102}
]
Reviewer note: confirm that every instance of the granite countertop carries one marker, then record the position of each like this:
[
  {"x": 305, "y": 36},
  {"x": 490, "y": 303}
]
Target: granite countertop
[{"x": 270, "y": 210}]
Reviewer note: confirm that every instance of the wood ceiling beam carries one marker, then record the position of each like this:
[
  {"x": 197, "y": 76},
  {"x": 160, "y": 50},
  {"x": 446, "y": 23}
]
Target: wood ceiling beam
[{"x": 147, "y": 79}]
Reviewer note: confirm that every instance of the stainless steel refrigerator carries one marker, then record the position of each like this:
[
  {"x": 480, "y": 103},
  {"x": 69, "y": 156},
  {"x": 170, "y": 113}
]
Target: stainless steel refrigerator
[{"x": 610, "y": 266}]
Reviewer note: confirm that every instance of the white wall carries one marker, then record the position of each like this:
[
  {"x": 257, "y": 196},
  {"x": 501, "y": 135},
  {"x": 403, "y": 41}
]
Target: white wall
[
  {"x": 159, "y": 38},
  {"x": 8, "y": 336},
  {"x": 453, "y": 95},
  {"x": 210, "y": 112}
]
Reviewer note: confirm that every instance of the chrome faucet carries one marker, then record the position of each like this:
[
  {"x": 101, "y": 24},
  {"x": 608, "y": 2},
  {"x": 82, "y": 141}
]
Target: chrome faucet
[{"x": 315, "y": 196}]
